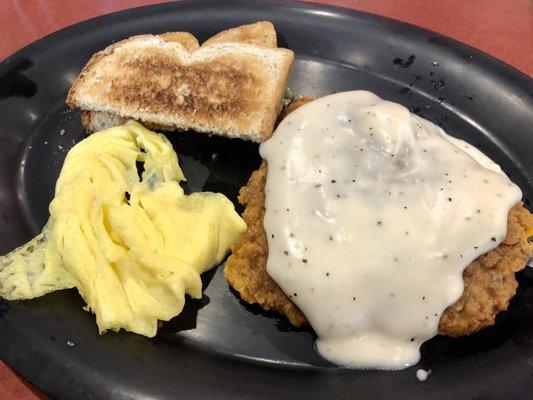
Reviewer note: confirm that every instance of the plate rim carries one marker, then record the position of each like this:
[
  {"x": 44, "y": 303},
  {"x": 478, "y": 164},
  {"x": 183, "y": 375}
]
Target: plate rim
[{"x": 490, "y": 61}]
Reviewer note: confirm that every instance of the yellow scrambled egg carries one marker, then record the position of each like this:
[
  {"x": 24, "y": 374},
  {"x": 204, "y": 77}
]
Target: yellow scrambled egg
[{"x": 132, "y": 246}]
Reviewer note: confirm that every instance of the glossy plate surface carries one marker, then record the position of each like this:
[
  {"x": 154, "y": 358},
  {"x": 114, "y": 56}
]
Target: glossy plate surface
[{"x": 219, "y": 347}]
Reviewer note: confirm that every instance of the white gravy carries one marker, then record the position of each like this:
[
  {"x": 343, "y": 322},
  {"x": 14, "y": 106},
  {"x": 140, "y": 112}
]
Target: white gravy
[{"x": 372, "y": 214}]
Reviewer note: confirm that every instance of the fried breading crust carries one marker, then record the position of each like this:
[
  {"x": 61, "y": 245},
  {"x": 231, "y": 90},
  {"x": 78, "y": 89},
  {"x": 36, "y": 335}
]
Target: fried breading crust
[
  {"x": 489, "y": 280},
  {"x": 293, "y": 105},
  {"x": 245, "y": 268}
]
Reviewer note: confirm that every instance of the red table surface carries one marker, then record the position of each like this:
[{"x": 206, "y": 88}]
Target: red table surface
[{"x": 502, "y": 28}]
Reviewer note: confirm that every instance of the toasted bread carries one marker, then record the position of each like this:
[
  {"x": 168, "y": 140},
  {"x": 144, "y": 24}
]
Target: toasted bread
[
  {"x": 229, "y": 86},
  {"x": 185, "y": 38},
  {"x": 94, "y": 121},
  {"x": 261, "y": 33}
]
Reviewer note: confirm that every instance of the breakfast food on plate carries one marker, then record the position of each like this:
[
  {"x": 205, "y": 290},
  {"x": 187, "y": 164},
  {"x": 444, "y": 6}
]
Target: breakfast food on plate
[
  {"x": 232, "y": 85},
  {"x": 489, "y": 280},
  {"x": 380, "y": 230},
  {"x": 131, "y": 242},
  {"x": 261, "y": 33},
  {"x": 365, "y": 221}
]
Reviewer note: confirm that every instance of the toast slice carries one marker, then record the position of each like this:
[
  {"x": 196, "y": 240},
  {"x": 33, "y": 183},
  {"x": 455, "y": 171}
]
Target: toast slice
[
  {"x": 231, "y": 86},
  {"x": 261, "y": 34}
]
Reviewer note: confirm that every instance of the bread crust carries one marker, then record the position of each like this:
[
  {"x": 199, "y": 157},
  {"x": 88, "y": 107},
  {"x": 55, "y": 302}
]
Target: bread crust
[
  {"x": 186, "y": 39},
  {"x": 261, "y": 33}
]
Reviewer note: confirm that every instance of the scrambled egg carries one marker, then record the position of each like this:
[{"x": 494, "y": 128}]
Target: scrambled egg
[{"x": 133, "y": 246}]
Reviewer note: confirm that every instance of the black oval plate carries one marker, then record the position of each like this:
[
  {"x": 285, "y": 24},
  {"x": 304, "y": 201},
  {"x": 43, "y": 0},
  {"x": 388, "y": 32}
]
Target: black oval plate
[{"x": 220, "y": 347}]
